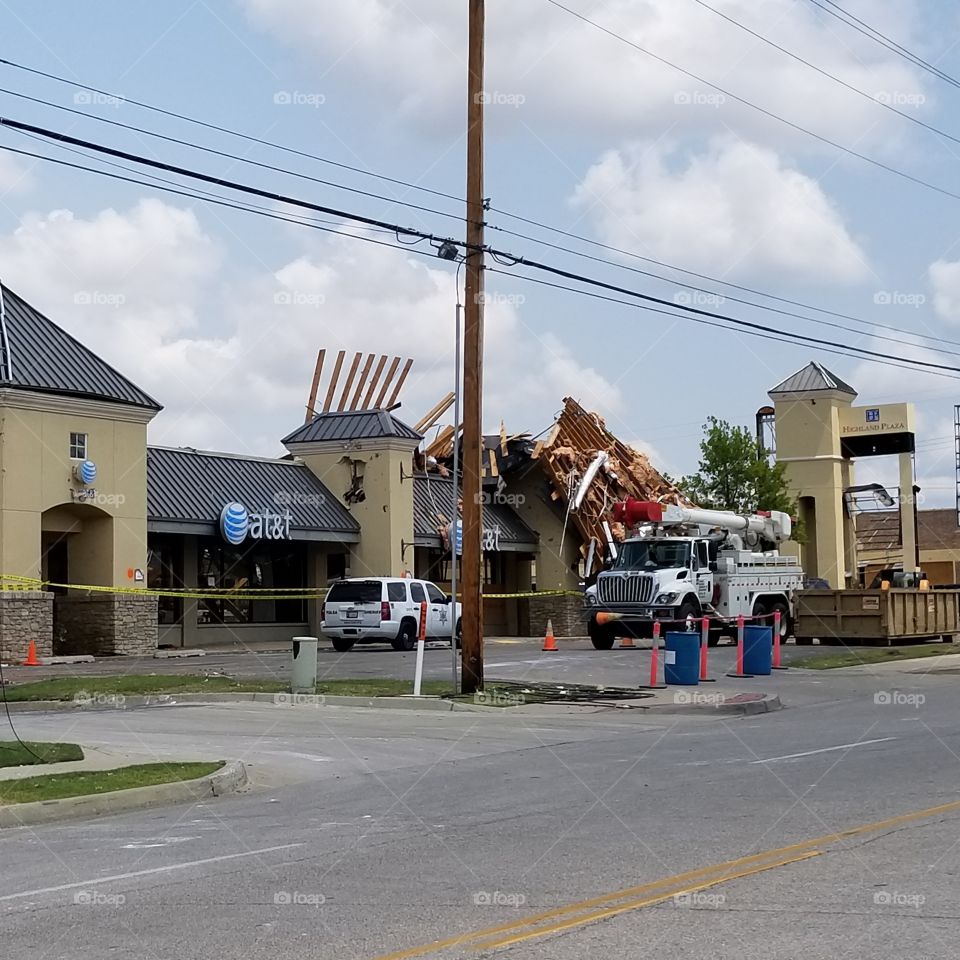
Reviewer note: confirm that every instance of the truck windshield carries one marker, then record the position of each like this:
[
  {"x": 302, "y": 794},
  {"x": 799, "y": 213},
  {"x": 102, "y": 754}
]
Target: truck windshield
[{"x": 653, "y": 554}]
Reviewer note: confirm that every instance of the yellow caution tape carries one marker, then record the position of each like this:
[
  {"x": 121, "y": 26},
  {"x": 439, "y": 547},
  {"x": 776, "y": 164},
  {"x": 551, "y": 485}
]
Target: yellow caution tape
[{"x": 13, "y": 582}]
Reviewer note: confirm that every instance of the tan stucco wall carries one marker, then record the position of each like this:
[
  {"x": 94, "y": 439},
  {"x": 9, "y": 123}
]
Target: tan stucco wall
[
  {"x": 109, "y": 535},
  {"x": 556, "y": 569},
  {"x": 385, "y": 516}
]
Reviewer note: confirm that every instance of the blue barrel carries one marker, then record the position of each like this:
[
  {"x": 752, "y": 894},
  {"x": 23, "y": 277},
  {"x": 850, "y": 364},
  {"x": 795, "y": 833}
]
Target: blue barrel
[
  {"x": 684, "y": 650},
  {"x": 758, "y": 651}
]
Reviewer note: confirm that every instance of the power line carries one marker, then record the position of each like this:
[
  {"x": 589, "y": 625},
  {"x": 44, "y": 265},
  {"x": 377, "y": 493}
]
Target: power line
[
  {"x": 754, "y": 106},
  {"x": 844, "y": 16},
  {"x": 501, "y": 256},
  {"x": 831, "y": 76},
  {"x": 231, "y": 156},
  {"x": 784, "y": 337},
  {"x": 543, "y": 226},
  {"x": 233, "y": 133},
  {"x": 221, "y": 182}
]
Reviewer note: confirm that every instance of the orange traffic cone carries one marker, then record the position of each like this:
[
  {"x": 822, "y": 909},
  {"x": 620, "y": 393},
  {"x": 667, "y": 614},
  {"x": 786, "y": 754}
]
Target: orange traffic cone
[
  {"x": 32, "y": 659},
  {"x": 550, "y": 641}
]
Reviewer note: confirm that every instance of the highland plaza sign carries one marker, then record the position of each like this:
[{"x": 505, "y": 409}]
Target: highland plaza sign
[{"x": 876, "y": 431}]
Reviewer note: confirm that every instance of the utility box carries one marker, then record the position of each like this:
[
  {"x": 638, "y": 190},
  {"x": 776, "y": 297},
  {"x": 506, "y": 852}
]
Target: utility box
[
  {"x": 303, "y": 665},
  {"x": 883, "y": 617}
]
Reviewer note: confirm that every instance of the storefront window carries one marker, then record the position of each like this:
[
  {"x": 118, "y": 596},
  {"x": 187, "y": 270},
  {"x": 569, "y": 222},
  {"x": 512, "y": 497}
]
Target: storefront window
[
  {"x": 254, "y": 566},
  {"x": 165, "y": 572}
]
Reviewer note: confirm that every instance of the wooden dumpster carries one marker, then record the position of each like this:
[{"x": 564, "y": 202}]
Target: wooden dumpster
[{"x": 882, "y": 617}]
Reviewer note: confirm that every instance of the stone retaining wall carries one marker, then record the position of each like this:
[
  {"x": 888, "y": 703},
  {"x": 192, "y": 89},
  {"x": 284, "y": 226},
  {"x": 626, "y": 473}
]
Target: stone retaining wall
[
  {"x": 25, "y": 615},
  {"x": 566, "y": 612},
  {"x": 105, "y": 624}
]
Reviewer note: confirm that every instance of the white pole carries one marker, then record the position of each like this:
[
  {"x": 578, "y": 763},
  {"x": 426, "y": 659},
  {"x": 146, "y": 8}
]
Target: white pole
[
  {"x": 455, "y": 486},
  {"x": 418, "y": 676}
]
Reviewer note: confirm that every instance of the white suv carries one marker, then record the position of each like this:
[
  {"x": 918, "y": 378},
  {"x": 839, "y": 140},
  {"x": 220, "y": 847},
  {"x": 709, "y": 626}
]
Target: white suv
[{"x": 385, "y": 610}]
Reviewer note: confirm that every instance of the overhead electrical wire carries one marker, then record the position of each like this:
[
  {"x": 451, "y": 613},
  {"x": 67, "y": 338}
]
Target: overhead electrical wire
[
  {"x": 786, "y": 337},
  {"x": 861, "y": 26},
  {"x": 501, "y": 256},
  {"x": 755, "y": 106},
  {"x": 231, "y": 156},
  {"x": 826, "y": 73},
  {"x": 501, "y": 212},
  {"x": 234, "y": 133}
]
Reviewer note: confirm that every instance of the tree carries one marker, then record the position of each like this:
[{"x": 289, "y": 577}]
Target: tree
[{"x": 732, "y": 476}]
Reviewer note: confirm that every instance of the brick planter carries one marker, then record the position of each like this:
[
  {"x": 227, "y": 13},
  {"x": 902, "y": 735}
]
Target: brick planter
[
  {"x": 25, "y": 615},
  {"x": 105, "y": 624}
]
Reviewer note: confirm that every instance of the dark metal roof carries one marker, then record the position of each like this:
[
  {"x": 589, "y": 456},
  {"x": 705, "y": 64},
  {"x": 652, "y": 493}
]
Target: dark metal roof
[
  {"x": 813, "y": 378},
  {"x": 41, "y": 356},
  {"x": 187, "y": 486},
  {"x": 433, "y": 509},
  {"x": 352, "y": 425}
]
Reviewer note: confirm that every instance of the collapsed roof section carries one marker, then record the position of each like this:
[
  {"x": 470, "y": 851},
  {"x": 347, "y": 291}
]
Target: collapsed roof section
[{"x": 589, "y": 469}]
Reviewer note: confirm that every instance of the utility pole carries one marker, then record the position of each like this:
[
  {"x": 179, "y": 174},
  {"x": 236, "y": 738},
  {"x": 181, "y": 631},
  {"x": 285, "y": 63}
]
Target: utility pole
[{"x": 471, "y": 663}]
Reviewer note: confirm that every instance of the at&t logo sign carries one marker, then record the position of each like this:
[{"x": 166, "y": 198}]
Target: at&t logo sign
[{"x": 237, "y": 524}]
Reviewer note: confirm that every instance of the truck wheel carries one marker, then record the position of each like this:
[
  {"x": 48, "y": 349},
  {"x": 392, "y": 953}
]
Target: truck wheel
[
  {"x": 406, "y": 638},
  {"x": 784, "y": 618},
  {"x": 689, "y": 608},
  {"x": 342, "y": 645},
  {"x": 602, "y": 637}
]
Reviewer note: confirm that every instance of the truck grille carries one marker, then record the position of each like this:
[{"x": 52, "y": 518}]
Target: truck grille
[{"x": 625, "y": 588}]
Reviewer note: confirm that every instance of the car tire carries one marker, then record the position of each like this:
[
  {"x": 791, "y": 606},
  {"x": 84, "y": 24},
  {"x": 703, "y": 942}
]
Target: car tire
[
  {"x": 342, "y": 645},
  {"x": 407, "y": 637},
  {"x": 459, "y": 634}
]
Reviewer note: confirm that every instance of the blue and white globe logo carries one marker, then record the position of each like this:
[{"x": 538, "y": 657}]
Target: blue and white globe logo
[
  {"x": 234, "y": 523},
  {"x": 86, "y": 472}
]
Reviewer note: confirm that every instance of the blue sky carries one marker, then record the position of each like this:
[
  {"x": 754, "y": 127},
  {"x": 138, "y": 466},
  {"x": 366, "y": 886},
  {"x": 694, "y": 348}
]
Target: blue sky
[{"x": 585, "y": 134}]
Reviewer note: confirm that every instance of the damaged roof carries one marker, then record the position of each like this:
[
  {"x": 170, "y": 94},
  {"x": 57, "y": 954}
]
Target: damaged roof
[{"x": 351, "y": 425}]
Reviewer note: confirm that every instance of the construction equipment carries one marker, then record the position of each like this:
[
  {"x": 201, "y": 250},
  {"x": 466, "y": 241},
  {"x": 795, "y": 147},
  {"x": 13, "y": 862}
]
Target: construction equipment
[{"x": 683, "y": 562}]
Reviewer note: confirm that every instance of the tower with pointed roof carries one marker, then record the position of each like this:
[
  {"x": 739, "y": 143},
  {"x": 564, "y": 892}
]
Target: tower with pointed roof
[{"x": 808, "y": 408}]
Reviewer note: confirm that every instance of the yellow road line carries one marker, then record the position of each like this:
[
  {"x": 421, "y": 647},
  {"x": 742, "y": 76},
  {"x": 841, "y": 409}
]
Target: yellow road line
[
  {"x": 691, "y": 875},
  {"x": 639, "y": 904}
]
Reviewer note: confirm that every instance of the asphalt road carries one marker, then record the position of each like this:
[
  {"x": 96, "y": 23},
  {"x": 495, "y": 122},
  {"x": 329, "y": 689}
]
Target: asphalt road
[{"x": 371, "y": 834}]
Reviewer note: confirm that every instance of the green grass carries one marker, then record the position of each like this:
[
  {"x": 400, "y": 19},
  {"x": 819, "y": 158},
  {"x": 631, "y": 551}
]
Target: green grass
[
  {"x": 864, "y": 655},
  {"x": 56, "y": 786},
  {"x": 15, "y": 754},
  {"x": 103, "y": 688}
]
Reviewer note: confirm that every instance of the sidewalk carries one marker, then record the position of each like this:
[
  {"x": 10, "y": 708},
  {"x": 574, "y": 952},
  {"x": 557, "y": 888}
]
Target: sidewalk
[{"x": 94, "y": 758}]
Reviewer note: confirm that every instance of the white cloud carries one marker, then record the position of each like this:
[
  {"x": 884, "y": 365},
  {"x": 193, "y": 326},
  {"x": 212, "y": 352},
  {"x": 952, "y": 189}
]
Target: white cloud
[
  {"x": 15, "y": 177},
  {"x": 735, "y": 209},
  {"x": 546, "y": 67},
  {"x": 232, "y": 358},
  {"x": 945, "y": 279}
]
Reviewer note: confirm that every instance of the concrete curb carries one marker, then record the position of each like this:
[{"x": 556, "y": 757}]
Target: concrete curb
[
  {"x": 230, "y": 777},
  {"x": 756, "y": 704}
]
